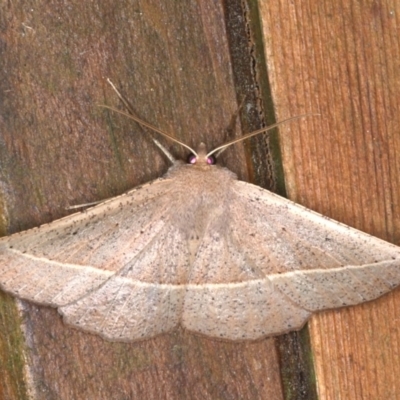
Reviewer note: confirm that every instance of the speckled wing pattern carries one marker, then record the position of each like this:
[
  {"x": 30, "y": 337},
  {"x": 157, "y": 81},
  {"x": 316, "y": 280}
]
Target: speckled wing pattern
[
  {"x": 289, "y": 262},
  {"x": 102, "y": 259},
  {"x": 232, "y": 261}
]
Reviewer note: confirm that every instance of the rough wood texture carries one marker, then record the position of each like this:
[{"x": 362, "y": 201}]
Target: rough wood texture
[
  {"x": 342, "y": 60},
  {"x": 58, "y": 148}
]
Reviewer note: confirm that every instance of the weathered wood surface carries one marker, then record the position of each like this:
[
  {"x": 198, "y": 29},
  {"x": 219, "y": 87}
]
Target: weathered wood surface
[
  {"x": 58, "y": 148},
  {"x": 342, "y": 59},
  {"x": 174, "y": 61}
]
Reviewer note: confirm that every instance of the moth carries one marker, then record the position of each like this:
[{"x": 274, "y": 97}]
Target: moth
[{"x": 200, "y": 249}]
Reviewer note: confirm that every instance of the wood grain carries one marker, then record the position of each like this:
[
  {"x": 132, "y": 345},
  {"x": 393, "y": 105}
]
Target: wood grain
[
  {"x": 342, "y": 60},
  {"x": 58, "y": 148}
]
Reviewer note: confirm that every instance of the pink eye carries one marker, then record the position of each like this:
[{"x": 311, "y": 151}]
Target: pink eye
[
  {"x": 192, "y": 159},
  {"x": 211, "y": 160}
]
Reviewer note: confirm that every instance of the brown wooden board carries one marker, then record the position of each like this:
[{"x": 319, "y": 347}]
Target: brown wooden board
[
  {"x": 175, "y": 62},
  {"x": 341, "y": 59}
]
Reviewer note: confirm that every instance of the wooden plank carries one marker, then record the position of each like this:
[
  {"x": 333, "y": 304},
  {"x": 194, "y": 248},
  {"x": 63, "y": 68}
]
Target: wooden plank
[
  {"x": 57, "y": 148},
  {"x": 341, "y": 59}
]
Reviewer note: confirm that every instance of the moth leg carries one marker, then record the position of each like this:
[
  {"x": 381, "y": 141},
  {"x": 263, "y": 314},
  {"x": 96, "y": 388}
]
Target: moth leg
[
  {"x": 85, "y": 205},
  {"x": 164, "y": 150}
]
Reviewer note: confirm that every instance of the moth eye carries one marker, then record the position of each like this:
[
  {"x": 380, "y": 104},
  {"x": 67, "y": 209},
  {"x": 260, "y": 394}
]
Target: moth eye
[
  {"x": 192, "y": 159},
  {"x": 211, "y": 160}
]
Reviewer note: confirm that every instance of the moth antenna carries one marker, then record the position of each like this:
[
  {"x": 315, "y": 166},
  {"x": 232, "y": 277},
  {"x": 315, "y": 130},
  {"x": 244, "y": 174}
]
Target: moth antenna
[
  {"x": 223, "y": 147},
  {"x": 131, "y": 115}
]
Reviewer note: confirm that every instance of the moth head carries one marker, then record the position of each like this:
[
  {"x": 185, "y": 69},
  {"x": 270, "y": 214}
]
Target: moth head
[{"x": 200, "y": 157}]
